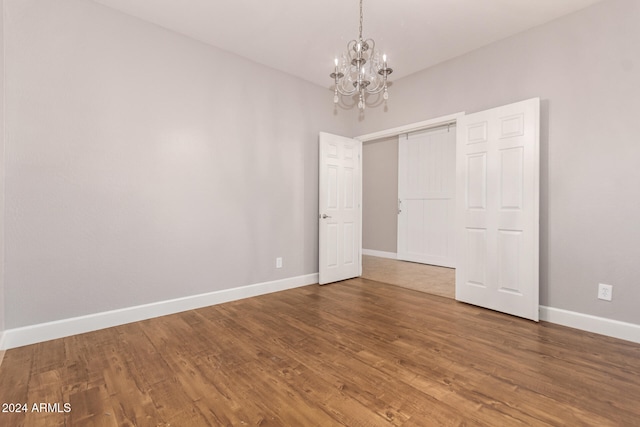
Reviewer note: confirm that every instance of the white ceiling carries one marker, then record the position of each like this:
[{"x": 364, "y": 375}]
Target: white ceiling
[{"x": 301, "y": 37}]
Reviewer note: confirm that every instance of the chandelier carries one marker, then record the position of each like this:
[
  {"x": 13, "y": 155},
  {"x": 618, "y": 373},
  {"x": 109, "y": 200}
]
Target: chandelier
[{"x": 360, "y": 70}]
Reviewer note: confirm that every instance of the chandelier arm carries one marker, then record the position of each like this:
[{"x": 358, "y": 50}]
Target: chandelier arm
[
  {"x": 346, "y": 92},
  {"x": 375, "y": 90},
  {"x": 372, "y": 45},
  {"x": 350, "y": 47}
]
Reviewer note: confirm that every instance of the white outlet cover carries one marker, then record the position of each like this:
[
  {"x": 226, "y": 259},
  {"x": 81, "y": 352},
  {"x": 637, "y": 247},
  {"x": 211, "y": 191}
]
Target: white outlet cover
[{"x": 605, "y": 292}]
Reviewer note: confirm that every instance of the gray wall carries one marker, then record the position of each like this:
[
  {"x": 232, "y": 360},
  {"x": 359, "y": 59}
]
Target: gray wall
[
  {"x": 380, "y": 195},
  {"x": 143, "y": 166},
  {"x": 585, "y": 68}
]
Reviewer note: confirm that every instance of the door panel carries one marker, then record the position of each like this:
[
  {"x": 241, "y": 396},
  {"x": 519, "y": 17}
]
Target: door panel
[
  {"x": 340, "y": 216},
  {"x": 426, "y": 191},
  {"x": 497, "y": 209}
]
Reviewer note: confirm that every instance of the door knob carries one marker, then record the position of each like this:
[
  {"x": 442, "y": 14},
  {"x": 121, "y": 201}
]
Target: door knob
[{"x": 325, "y": 216}]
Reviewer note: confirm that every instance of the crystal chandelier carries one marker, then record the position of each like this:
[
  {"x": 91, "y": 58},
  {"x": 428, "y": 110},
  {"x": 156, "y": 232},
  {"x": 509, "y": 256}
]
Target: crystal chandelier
[{"x": 360, "y": 70}]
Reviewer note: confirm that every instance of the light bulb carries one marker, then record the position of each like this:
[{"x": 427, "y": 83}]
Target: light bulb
[
  {"x": 385, "y": 95},
  {"x": 335, "y": 99},
  {"x": 360, "y": 105},
  {"x": 336, "y": 62},
  {"x": 384, "y": 57}
]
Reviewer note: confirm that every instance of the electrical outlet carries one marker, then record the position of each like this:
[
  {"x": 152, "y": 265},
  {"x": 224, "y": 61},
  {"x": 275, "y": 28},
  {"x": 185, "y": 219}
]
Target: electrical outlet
[
  {"x": 279, "y": 262},
  {"x": 605, "y": 292}
]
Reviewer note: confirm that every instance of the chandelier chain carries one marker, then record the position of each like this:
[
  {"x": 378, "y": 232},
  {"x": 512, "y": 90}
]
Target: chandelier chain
[{"x": 361, "y": 19}]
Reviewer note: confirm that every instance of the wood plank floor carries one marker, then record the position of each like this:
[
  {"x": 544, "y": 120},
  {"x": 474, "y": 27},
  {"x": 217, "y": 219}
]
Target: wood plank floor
[
  {"x": 354, "y": 353},
  {"x": 419, "y": 277}
]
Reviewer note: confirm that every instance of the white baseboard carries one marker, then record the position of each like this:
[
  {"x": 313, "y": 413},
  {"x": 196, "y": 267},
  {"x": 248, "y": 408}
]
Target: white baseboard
[
  {"x": 32, "y": 334},
  {"x": 380, "y": 254},
  {"x": 1, "y": 347},
  {"x": 586, "y": 322}
]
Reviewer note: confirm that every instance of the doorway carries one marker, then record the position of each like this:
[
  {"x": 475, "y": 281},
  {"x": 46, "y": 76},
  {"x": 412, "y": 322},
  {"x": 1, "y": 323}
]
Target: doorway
[
  {"x": 497, "y": 206},
  {"x": 381, "y": 210}
]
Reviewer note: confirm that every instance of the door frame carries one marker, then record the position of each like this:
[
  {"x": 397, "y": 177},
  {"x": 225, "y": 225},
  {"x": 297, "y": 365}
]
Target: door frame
[
  {"x": 412, "y": 127},
  {"x": 400, "y": 130}
]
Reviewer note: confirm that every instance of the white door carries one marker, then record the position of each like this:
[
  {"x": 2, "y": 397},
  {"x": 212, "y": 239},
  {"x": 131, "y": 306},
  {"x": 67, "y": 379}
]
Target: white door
[
  {"x": 497, "y": 208},
  {"x": 340, "y": 216},
  {"x": 426, "y": 196}
]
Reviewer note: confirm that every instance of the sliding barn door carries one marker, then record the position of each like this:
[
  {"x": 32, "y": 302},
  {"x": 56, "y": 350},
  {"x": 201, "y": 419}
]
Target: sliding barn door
[
  {"x": 340, "y": 201},
  {"x": 426, "y": 196},
  {"x": 498, "y": 209}
]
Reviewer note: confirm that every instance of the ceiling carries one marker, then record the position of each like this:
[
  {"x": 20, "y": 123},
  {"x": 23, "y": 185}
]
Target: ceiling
[{"x": 302, "y": 37}]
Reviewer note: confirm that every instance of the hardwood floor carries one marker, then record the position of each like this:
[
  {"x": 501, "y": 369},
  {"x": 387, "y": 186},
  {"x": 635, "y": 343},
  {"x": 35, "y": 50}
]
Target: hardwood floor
[
  {"x": 353, "y": 353},
  {"x": 419, "y": 277}
]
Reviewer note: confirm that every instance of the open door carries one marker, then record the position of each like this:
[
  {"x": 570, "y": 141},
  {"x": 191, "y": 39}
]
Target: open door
[
  {"x": 497, "y": 208},
  {"x": 340, "y": 211}
]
